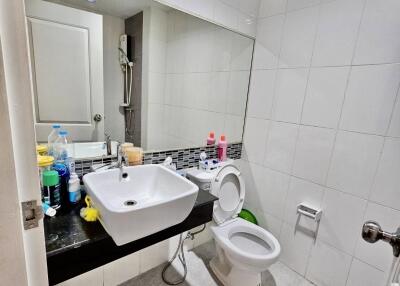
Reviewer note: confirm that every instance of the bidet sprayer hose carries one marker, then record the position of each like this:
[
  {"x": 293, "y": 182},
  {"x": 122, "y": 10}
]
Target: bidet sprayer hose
[{"x": 181, "y": 256}]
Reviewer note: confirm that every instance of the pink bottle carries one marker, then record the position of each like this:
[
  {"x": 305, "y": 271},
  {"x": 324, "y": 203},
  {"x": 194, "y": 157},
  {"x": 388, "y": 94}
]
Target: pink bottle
[
  {"x": 222, "y": 147},
  {"x": 211, "y": 139}
]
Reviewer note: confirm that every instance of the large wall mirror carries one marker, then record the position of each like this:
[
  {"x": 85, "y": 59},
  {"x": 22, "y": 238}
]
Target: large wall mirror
[{"x": 137, "y": 71}]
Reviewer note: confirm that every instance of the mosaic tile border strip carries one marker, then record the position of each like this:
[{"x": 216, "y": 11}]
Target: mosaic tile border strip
[
  {"x": 82, "y": 166},
  {"x": 183, "y": 158},
  {"x": 189, "y": 157}
]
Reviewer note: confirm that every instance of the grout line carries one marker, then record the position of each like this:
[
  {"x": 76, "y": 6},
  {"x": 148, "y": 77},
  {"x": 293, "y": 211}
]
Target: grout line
[
  {"x": 384, "y": 142},
  {"x": 331, "y": 66},
  {"x": 393, "y": 110},
  {"x": 306, "y": 90},
  {"x": 337, "y": 128},
  {"x": 358, "y": 33},
  {"x": 273, "y": 105},
  {"x": 324, "y": 127},
  {"x": 321, "y": 185},
  {"x": 371, "y": 188}
]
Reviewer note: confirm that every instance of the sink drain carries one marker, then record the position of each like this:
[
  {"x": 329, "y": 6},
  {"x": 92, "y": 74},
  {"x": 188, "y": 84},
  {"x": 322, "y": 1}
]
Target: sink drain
[{"x": 130, "y": 203}]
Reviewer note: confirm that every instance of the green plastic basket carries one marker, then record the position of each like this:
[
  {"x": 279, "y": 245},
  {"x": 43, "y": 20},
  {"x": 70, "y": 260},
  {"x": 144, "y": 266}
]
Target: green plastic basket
[{"x": 249, "y": 216}]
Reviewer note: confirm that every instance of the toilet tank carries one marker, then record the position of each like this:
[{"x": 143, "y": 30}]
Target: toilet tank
[{"x": 201, "y": 178}]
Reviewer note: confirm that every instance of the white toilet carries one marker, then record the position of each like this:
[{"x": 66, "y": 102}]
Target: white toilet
[{"x": 244, "y": 250}]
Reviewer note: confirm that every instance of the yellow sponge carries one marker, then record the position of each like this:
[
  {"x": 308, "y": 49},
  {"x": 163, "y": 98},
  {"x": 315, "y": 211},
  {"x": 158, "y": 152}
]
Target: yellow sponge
[{"x": 89, "y": 213}]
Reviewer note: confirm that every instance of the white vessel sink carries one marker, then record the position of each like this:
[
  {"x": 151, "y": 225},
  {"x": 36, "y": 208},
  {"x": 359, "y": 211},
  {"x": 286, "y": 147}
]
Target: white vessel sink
[{"x": 150, "y": 199}]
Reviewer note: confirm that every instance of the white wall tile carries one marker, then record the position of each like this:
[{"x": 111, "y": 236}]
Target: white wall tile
[
  {"x": 289, "y": 94},
  {"x": 387, "y": 181},
  {"x": 364, "y": 274},
  {"x": 217, "y": 97},
  {"x": 153, "y": 256},
  {"x": 203, "y": 8},
  {"x": 313, "y": 151},
  {"x": 271, "y": 7},
  {"x": 341, "y": 220},
  {"x": 328, "y": 266},
  {"x": 121, "y": 270},
  {"x": 254, "y": 180},
  {"x": 394, "y": 129},
  {"x": 379, "y": 254},
  {"x": 268, "y": 42},
  {"x": 237, "y": 91},
  {"x": 247, "y": 24},
  {"x": 156, "y": 89},
  {"x": 241, "y": 53},
  {"x": 255, "y": 138},
  {"x": 222, "y": 56},
  {"x": 199, "y": 238},
  {"x": 301, "y": 191},
  {"x": 233, "y": 127},
  {"x": 296, "y": 248},
  {"x": 273, "y": 192},
  {"x": 261, "y": 93},
  {"x": 298, "y": 38},
  {"x": 325, "y": 94},
  {"x": 300, "y": 4},
  {"x": 226, "y": 15},
  {"x": 378, "y": 40},
  {"x": 354, "y": 163},
  {"x": 249, "y": 7},
  {"x": 90, "y": 278},
  {"x": 268, "y": 222},
  {"x": 337, "y": 32},
  {"x": 370, "y": 97},
  {"x": 281, "y": 145}
]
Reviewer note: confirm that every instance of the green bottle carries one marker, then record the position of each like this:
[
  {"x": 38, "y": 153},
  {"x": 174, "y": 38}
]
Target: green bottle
[{"x": 51, "y": 189}]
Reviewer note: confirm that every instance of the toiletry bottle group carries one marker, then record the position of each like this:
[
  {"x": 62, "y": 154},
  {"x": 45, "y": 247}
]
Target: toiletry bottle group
[
  {"x": 222, "y": 145},
  {"x": 60, "y": 184}
]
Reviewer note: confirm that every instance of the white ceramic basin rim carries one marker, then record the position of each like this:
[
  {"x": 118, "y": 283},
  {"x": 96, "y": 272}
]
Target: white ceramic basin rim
[{"x": 150, "y": 199}]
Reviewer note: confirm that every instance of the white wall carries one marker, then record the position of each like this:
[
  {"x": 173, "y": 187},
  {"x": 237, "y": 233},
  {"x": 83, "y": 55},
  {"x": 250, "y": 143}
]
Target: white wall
[
  {"x": 198, "y": 80},
  {"x": 323, "y": 127},
  {"x": 114, "y": 123},
  {"x": 239, "y": 15},
  {"x": 12, "y": 261},
  {"x": 23, "y": 255}
]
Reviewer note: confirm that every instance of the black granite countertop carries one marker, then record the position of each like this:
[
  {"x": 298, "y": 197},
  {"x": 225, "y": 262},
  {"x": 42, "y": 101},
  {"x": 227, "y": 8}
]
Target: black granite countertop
[{"x": 68, "y": 230}]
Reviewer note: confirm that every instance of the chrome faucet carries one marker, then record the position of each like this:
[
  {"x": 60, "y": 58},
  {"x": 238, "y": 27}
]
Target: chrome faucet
[
  {"x": 121, "y": 162},
  {"x": 108, "y": 144},
  {"x": 372, "y": 232}
]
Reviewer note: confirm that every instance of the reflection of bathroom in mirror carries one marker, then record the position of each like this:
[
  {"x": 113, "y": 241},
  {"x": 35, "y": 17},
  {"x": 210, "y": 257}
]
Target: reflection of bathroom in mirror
[{"x": 136, "y": 71}]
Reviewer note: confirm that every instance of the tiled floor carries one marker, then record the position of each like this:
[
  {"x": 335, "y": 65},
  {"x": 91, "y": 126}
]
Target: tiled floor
[{"x": 199, "y": 274}]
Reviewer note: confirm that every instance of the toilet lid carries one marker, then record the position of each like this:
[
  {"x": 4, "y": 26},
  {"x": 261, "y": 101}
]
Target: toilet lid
[{"x": 228, "y": 186}]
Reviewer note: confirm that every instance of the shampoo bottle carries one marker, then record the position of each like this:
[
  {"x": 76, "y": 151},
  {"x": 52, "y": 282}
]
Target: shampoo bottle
[
  {"x": 211, "y": 138},
  {"x": 222, "y": 147}
]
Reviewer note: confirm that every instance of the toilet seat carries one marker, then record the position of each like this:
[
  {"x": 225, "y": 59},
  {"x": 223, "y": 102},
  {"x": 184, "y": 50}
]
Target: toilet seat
[
  {"x": 244, "y": 253},
  {"x": 228, "y": 186}
]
